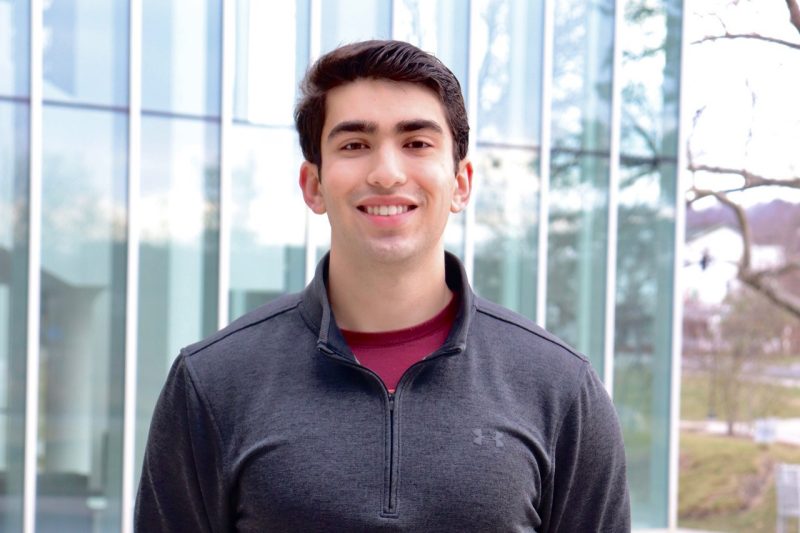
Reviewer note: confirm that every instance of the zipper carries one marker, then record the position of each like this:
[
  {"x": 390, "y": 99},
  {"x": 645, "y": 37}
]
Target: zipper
[
  {"x": 391, "y": 495},
  {"x": 389, "y": 505}
]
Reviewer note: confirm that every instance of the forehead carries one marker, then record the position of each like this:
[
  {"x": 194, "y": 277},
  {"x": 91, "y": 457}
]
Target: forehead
[{"x": 382, "y": 102}]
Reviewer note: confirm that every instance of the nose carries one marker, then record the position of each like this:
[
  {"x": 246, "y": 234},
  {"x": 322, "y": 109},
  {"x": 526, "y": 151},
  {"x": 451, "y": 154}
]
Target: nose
[{"x": 387, "y": 169}]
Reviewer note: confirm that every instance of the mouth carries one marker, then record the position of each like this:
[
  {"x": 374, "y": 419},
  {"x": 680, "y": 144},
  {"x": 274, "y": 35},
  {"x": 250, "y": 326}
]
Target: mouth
[{"x": 386, "y": 210}]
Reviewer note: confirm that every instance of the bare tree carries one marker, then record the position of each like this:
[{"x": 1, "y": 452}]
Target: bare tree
[{"x": 770, "y": 282}]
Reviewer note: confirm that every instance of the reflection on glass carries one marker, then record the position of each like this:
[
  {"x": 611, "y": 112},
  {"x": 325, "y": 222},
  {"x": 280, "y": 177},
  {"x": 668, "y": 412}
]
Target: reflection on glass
[
  {"x": 267, "y": 218},
  {"x": 576, "y": 265},
  {"x": 82, "y": 320},
  {"x": 506, "y": 228},
  {"x": 264, "y": 86},
  {"x": 649, "y": 76},
  {"x": 181, "y": 53},
  {"x": 645, "y": 263},
  {"x": 14, "y": 50},
  {"x": 440, "y": 27},
  {"x": 583, "y": 45},
  {"x": 13, "y": 308},
  {"x": 347, "y": 21},
  {"x": 86, "y": 52},
  {"x": 643, "y": 332},
  {"x": 509, "y": 42},
  {"x": 579, "y": 169},
  {"x": 179, "y": 250}
]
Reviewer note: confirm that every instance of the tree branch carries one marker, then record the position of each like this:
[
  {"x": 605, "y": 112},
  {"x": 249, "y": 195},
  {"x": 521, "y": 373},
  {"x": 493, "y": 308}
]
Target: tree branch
[
  {"x": 751, "y": 179},
  {"x": 760, "y": 280},
  {"x": 794, "y": 13},
  {"x": 787, "y": 268},
  {"x": 776, "y": 295},
  {"x": 755, "y": 36},
  {"x": 741, "y": 217}
]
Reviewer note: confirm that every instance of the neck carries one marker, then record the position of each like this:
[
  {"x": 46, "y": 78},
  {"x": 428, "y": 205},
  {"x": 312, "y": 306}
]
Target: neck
[{"x": 386, "y": 297}]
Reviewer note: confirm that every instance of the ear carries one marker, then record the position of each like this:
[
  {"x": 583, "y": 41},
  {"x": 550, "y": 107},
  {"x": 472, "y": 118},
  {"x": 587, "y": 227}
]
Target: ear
[
  {"x": 311, "y": 187},
  {"x": 463, "y": 186}
]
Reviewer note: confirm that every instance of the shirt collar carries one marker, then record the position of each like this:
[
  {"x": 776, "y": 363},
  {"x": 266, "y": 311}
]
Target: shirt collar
[{"x": 316, "y": 308}]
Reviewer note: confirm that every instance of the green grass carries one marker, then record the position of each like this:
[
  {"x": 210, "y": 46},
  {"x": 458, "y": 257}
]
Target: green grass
[
  {"x": 759, "y": 400},
  {"x": 727, "y": 484}
]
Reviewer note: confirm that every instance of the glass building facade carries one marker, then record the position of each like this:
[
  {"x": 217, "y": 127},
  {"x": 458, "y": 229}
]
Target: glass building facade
[{"x": 148, "y": 195}]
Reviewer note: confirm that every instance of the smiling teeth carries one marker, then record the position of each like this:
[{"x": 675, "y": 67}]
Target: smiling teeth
[{"x": 386, "y": 210}]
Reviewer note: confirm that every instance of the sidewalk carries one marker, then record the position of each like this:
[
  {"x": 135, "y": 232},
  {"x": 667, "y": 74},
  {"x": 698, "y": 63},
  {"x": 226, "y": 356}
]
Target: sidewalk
[{"x": 787, "y": 430}]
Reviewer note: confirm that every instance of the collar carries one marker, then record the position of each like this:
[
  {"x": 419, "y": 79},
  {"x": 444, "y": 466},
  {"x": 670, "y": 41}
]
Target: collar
[{"x": 317, "y": 312}]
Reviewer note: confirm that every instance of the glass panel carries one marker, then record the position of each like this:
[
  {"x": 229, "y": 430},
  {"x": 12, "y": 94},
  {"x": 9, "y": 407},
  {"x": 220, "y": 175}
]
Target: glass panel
[
  {"x": 576, "y": 264},
  {"x": 347, "y": 21},
  {"x": 506, "y": 228},
  {"x": 14, "y": 50},
  {"x": 440, "y": 27},
  {"x": 650, "y": 78},
  {"x": 509, "y": 42},
  {"x": 265, "y": 84},
  {"x": 583, "y": 47},
  {"x": 643, "y": 336},
  {"x": 13, "y": 308},
  {"x": 267, "y": 217},
  {"x": 582, "y": 59},
  {"x": 86, "y": 52},
  {"x": 181, "y": 52},
  {"x": 179, "y": 250},
  {"x": 82, "y": 320}
]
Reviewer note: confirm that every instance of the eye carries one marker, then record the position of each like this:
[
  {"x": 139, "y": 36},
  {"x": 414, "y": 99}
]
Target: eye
[
  {"x": 352, "y": 146},
  {"x": 417, "y": 144}
]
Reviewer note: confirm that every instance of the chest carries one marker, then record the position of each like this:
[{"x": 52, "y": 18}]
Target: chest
[{"x": 359, "y": 459}]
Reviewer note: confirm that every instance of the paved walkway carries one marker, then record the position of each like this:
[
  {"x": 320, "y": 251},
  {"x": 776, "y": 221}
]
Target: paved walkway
[{"x": 787, "y": 430}]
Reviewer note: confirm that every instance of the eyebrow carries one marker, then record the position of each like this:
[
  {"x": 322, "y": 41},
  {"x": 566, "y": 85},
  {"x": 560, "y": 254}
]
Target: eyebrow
[
  {"x": 407, "y": 126},
  {"x": 363, "y": 126},
  {"x": 353, "y": 126}
]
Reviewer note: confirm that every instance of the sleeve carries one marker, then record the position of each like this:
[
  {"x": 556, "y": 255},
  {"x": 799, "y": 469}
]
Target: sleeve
[
  {"x": 182, "y": 487},
  {"x": 589, "y": 490}
]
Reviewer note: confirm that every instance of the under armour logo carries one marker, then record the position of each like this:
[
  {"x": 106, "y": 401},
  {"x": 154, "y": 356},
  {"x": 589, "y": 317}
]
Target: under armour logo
[{"x": 480, "y": 437}]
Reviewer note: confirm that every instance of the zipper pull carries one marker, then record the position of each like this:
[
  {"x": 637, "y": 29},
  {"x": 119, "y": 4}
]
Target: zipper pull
[{"x": 391, "y": 401}]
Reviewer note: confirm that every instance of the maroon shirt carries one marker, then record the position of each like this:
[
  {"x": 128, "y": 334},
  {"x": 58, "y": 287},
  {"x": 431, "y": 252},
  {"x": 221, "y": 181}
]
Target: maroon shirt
[{"x": 390, "y": 353}]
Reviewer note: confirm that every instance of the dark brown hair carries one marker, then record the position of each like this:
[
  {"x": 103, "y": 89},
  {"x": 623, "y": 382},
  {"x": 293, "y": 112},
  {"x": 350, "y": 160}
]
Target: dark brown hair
[{"x": 383, "y": 60}]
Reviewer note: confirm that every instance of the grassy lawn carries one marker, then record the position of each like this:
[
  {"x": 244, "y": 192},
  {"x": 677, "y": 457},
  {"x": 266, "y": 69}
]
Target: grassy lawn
[
  {"x": 761, "y": 400},
  {"x": 727, "y": 484}
]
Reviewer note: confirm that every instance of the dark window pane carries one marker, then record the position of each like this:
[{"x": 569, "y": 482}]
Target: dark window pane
[
  {"x": 14, "y": 50},
  {"x": 82, "y": 320},
  {"x": 13, "y": 308},
  {"x": 181, "y": 57},
  {"x": 86, "y": 52}
]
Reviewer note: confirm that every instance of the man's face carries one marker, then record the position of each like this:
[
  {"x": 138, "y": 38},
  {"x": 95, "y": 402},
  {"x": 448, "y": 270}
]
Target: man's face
[{"x": 387, "y": 177}]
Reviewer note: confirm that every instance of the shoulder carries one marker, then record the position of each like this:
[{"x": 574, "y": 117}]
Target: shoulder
[
  {"x": 273, "y": 311},
  {"x": 514, "y": 328}
]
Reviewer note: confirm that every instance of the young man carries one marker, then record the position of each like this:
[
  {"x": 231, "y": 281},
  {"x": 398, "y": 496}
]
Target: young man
[{"x": 386, "y": 396}]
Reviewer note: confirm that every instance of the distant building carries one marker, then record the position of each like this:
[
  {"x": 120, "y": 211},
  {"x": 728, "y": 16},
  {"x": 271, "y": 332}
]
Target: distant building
[{"x": 711, "y": 263}]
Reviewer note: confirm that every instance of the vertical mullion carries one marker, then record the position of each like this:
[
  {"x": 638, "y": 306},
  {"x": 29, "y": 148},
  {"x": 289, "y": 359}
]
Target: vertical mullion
[
  {"x": 34, "y": 268},
  {"x": 314, "y": 50},
  {"x": 545, "y": 137},
  {"x": 132, "y": 286},
  {"x": 226, "y": 121},
  {"x": 473, "y": 67},
  {"x": 677, "y": 287},
  {"x": 613, "y": 202}
]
